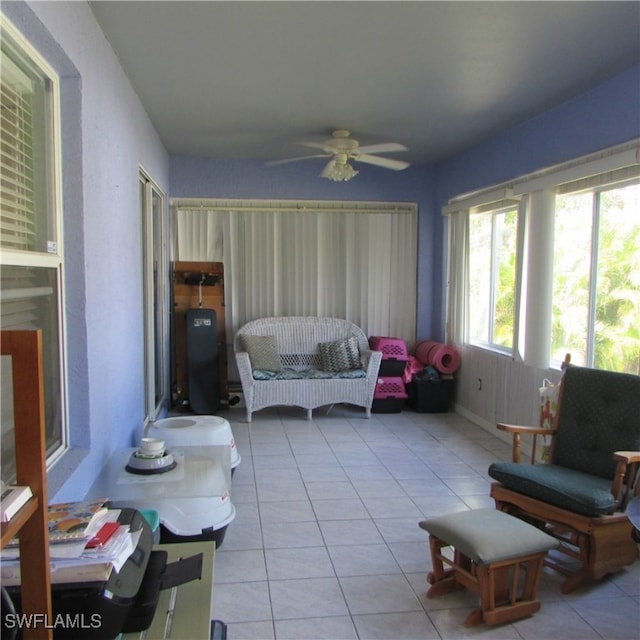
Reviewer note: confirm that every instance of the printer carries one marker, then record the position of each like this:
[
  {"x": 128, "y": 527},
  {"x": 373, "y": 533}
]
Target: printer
[{"x": 125, "y": 602}]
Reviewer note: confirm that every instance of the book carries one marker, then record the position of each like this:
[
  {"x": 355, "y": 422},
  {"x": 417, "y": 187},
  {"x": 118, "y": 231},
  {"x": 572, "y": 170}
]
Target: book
[
  {"x": 64, "y": 549},
  {"x": 90, "y": 567},
  {"x": 102, "y": 537},
  {"x": 97, "y": 571},
  {"x": 13, "y": 498},
  {"x": 69, "y": 521}
]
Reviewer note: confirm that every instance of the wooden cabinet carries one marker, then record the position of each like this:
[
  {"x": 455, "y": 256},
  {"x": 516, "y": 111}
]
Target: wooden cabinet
[
  {"x": 194, "y": 285},
  {"x": 25, "y": 350}
]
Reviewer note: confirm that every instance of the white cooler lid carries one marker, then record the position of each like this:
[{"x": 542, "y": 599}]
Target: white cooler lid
[{"x": 195, "y": 431}]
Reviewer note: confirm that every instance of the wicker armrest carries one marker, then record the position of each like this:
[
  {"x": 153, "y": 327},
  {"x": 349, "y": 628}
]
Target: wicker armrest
[
  {"x": 244, "y": 367},
  {"x": 371, "y": 360}
]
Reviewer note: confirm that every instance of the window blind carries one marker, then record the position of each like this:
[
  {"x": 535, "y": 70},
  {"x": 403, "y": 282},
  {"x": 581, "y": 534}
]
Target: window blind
[{"x": 17, "y": 208}]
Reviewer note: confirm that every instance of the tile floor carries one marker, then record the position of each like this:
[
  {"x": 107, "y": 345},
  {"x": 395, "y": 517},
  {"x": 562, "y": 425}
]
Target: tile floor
[{"x": 326, "y": 543}]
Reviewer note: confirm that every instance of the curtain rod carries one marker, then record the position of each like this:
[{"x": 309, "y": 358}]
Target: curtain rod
[
  {"x": 632, "y": 146},
  {"x": 292, "y": 206}
]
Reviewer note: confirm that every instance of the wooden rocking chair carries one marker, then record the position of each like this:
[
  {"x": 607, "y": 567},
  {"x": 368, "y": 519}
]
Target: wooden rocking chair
[{"x": 580, "y": 497}]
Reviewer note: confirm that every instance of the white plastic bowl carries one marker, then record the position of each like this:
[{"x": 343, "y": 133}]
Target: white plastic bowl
[{"x": 152, "y": 446}]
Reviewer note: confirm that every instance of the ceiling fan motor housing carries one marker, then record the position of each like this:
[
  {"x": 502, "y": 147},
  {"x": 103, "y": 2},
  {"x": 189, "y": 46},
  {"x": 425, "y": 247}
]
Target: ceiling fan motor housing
[{"x": 341, "y": 143}]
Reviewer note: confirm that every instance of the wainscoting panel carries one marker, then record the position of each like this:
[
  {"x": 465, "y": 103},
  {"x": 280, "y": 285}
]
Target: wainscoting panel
[{"x": 492, "y": 388}]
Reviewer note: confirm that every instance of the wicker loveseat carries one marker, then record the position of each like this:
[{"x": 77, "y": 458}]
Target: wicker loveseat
[{"x": 300, "y": 361}]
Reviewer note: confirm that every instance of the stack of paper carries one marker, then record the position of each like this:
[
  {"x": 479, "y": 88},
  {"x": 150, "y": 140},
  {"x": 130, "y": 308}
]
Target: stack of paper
[{"x": 91, "y": 558}]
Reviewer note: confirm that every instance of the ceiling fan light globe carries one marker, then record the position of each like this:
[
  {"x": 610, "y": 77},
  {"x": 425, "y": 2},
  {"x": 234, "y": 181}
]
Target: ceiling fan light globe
[{"x": 340, "y": 172}]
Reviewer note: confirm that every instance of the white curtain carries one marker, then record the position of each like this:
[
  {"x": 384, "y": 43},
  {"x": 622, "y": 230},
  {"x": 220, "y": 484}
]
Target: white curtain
[{"x": 358, "y": 265}]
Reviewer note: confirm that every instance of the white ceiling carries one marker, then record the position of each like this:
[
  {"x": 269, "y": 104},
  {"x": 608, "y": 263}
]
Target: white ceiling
[{"x": 250, "y": 79}]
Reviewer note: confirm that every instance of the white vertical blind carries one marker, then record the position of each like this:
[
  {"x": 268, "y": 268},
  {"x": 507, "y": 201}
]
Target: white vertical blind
[
  {"x": 349, "y": 260},
  {"x": 539, "y": 278}
]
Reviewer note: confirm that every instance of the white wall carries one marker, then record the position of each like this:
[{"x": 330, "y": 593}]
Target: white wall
[
  {"x": 492, "y": 388},
  {"x": 107, "y": 136}
]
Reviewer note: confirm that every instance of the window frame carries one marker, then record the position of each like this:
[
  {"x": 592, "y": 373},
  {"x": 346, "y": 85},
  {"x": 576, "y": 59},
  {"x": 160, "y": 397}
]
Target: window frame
[
  {"x": 53, "y": 257},
  {"x": 595, "y": 193},
  {"x": 155, "y": 285},
  {"x": 532, "y": 340},
  {"x": 494, "y": 276}
]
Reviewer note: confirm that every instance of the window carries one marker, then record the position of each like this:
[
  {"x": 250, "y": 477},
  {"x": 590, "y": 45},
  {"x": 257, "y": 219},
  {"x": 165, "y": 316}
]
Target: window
[
  {"x": 596, "y": 278},
  {"x": 31, "y": 259},
  {"x": 492, "y": 276},
  {"x": 156, "y": 306},
  {"x": 556, "y": 273}
]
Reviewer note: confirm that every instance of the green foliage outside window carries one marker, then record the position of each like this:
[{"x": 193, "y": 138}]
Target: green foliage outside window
[{"x": 596, "y": 300}]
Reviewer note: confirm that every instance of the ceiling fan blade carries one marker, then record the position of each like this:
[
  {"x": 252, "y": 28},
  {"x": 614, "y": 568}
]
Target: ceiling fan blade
[
  {"x": 387, "y": 163},
  {"x": 286, "y": 160},
  {"x": 313, "y": 145},
  {"x": 384, "y": 147},
  {"x": 327, "y": 169}
]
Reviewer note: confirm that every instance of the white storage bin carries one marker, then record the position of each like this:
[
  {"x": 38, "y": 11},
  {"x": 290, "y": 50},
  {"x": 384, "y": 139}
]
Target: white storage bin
[{"x": 194, "y": 431}]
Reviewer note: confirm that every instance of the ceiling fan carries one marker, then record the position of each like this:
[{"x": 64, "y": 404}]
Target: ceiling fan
[{"x": 342, "y": 149}]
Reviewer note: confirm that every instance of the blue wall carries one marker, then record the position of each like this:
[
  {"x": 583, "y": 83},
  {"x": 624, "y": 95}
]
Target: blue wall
[{"x": 607, "y": 115}]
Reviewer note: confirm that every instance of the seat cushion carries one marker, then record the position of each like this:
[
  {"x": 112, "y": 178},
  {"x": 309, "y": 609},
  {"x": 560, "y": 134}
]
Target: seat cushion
[
  {"x": 289, "y": 373},
  {"x": 565, "y": 488},
  {"x": 488, "y": 535}
]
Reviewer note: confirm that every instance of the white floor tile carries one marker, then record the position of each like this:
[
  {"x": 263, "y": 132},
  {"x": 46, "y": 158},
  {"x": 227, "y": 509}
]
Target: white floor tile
[
  {"x": 339, "y": 509},
  {"x": 240, "y": 566},
  {"x": 287, "y": 535},
  {"x": 363, "y": 560},
  {"x": 379, "y": 594},
  {"x": 412, "y": 625},
  {"x": 336, "y": 628},
  {"x": 350, "y": 532},
  {"x": 251, "y": 630},
  {"x": 307, "y": 598},
  {"x": 304, "y": 562}
]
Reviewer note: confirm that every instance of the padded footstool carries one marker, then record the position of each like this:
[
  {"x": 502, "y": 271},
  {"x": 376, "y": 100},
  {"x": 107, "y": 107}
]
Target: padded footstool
[{"x": 495, "y": 555}]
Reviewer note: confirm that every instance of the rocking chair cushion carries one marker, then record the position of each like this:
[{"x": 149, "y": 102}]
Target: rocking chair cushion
[
  {"x": 566, "y": 488},
  {"x": 599, "y": 415}
]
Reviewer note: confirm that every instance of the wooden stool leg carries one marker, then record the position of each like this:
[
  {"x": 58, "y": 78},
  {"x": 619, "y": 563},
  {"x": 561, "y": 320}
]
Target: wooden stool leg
[
  {"x": 485, "y": 593},
  {"x": 514, "y": 606},
  {"x": 532, "y": 582},
  {"x": 442, "y": 580}
]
